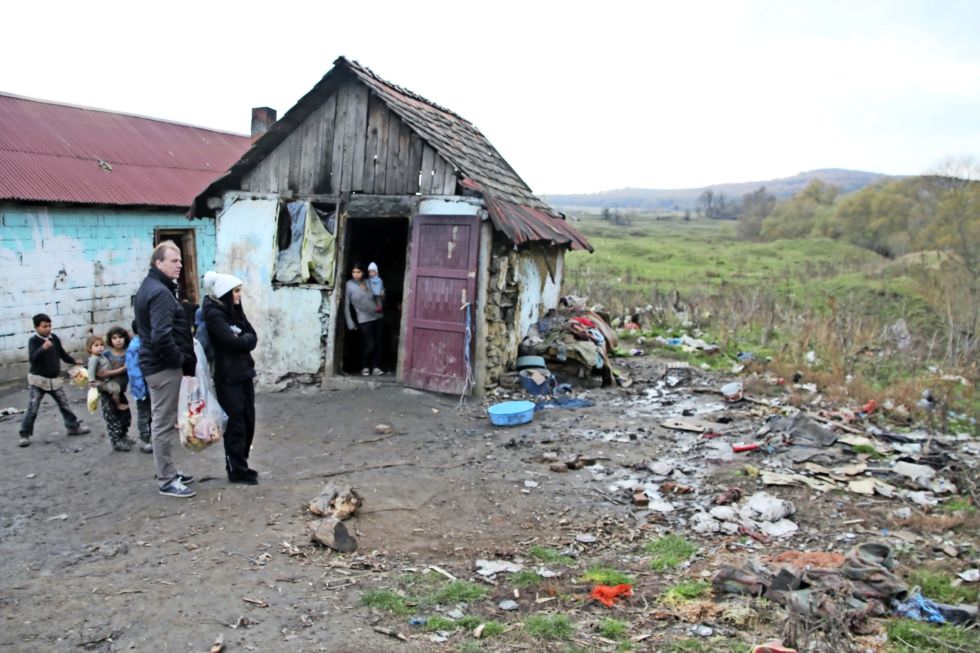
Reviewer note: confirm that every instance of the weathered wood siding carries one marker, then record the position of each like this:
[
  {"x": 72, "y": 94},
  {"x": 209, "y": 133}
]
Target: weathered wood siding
[{"x": 353, "y": 142}]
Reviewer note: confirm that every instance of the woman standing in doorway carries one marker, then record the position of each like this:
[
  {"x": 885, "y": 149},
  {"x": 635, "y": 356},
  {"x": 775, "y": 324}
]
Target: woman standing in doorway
[
  {"x": 232, "y": 339},
  {"x": 360, "y": 301}
]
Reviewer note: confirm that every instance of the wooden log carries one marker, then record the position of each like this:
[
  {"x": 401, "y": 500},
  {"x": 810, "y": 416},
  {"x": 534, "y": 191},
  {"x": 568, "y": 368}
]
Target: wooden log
[{"x": 332, "y": 533}]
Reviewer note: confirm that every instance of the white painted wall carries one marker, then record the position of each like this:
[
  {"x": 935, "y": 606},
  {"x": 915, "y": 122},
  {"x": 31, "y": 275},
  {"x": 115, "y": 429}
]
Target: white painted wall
[
  {"x": 286, "y": 319},
  {"x": 81, "y": 266},
  {"x": 538, "y": 291}
]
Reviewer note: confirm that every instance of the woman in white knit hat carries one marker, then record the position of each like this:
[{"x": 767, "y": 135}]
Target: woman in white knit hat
[{"x": 232, "y": 339}]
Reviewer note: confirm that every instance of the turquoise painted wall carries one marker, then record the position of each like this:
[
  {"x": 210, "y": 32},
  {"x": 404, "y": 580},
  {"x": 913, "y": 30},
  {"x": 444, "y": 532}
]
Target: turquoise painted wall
[{"x": 81, "y": 266}]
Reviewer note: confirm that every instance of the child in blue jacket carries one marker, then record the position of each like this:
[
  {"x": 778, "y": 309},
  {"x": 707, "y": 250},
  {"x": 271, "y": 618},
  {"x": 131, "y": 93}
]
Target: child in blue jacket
[{"x": 141, "y": 393}]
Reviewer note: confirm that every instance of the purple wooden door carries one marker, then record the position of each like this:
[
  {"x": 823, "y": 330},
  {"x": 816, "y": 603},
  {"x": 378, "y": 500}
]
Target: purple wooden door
[{"x": 442, "y": 282}]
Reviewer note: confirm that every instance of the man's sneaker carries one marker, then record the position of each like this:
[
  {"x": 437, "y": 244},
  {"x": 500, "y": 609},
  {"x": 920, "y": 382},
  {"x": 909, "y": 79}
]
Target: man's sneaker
[
  {"x": 122, "y": 445},
  {"x": 81, "y": 429},
  {"x": 146, "y": 447},
  {"x": 24, "y": 441},
  {"x": 366, "y": 372},
  {"x": 378, "y": 372},
  {"x": 186, "y": 479},
  {"x": 174, "y": 488}
]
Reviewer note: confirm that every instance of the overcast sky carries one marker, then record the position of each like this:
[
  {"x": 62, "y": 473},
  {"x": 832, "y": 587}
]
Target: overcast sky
[{"x": 577, "y": 96}]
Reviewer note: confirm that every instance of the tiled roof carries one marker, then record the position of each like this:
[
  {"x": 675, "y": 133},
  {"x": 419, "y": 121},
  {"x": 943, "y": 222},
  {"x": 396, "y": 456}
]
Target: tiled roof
[
  {"x": 53, "y": 152},
  {"x": 455, "y": 139}
]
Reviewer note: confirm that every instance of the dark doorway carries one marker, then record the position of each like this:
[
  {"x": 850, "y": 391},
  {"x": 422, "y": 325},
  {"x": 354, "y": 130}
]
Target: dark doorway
[
  {"x": 185, "y": 240},
  {"x": 383, "y": 241}
]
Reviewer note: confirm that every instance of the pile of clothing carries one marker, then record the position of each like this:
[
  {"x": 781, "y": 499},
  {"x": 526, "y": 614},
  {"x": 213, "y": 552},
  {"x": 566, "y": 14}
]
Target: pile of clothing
[{"x": 574, "y": 335}]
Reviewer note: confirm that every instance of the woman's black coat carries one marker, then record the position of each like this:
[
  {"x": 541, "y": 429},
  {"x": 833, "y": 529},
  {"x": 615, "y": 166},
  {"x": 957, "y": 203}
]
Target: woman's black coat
[{"x": 232, "y": 361}]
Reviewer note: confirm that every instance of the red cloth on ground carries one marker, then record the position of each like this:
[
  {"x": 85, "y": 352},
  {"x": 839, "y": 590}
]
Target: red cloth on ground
[{"x": 606, "y": 594}]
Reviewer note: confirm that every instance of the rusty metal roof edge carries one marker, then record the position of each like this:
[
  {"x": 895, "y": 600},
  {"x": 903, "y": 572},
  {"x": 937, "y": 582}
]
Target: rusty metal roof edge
[{"x": 125, "y": 114}]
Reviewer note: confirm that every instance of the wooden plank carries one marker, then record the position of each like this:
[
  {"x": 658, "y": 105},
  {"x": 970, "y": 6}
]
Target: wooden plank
[
  {"x": 337, "y": 159},
  {"x": 349, "y": 91},
  {"x": 428, "y": 162},
  {"x": 405, "y": 173},
  {"x": 438, "y": 173},
  {"x": 376, "y": 109},
  {"x": 382, "y": 206},
  {"x": 359, "y": 120},
  {"x": 415, "y": 145},
  {"x": 324, "y": 182},
  {"x": 308, "y": 152},
  {"x": 381, "y": 165},
  {"x": 393, "y": 164},
  {"x": 448, "y": 186}
]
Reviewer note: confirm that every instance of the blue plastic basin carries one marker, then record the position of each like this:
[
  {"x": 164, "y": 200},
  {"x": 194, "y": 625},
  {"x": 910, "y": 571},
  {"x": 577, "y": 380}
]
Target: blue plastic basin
[{"x": 511, "y": 413}]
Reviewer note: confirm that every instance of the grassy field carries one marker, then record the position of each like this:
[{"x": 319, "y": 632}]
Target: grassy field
[{"x": 779, "y": 300}]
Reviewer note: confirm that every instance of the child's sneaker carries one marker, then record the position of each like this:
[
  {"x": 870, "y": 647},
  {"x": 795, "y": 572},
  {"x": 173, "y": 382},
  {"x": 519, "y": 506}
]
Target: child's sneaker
[
  {"x": 174, "y": 488},
  {"x": 25, "y": 441}
]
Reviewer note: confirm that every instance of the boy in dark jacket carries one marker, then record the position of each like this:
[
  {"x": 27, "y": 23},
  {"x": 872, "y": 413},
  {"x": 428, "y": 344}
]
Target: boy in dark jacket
[{"x": 46, "y": 353}]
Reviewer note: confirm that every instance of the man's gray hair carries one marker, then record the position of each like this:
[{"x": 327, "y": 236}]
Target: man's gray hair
[{"x": 160, "y": 251}]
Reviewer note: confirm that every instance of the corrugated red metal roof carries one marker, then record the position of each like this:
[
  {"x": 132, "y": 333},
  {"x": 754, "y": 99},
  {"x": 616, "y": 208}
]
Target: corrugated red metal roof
[
  {"x": 61, "y": 153},
  {"x": 527, "y": 224}
]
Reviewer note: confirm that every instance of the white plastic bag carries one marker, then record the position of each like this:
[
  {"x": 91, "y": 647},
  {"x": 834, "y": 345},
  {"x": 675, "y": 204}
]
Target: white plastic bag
[
  {"x": 200, "y": 419},
  {"x": 92, "y": 399}
]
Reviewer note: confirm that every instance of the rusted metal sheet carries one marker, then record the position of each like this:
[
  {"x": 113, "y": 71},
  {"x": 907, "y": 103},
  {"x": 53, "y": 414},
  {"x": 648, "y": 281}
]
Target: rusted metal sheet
[
  {"x": 525, "y": 224},
  {"x": 442, "y": 290},
  {"x": 61, "y": 153}
]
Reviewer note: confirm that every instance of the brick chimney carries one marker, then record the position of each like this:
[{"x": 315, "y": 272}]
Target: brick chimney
[{"x": 262, "y": 119}]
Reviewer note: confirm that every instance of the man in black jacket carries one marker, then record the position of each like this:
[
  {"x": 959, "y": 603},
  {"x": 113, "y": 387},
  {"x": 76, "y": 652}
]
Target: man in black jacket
[{"x": 166, "y": 355}]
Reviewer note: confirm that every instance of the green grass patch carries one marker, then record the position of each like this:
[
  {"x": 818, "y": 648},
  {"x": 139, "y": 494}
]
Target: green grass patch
[
  {"x": 435, "y": 624},
  {"x": 606, "y": 576},
  {"x": 613, "y": 629},
  {"x": 958, "y": 504},
  {"x": 867, "y": 449},
  {"x": 669, "y": 551},
  {"x": 493, "y": 629},
  {"x": 548, "y": 626},
  {"x": 907, "y": 636},
  {"x": 939, "y": 587},
  {"x": 685, "y": 591},
  {"x": 526, "y": 578},
  {"x": 469, "y": 622},
  {"x": 550, "y": 556},
  {"x": 386, "y": 600},
  {"x": 458, "y": 591}
]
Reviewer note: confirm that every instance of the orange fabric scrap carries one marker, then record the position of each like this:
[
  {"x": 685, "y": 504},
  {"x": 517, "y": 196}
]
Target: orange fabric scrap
[{"x": 606, "y": 594}]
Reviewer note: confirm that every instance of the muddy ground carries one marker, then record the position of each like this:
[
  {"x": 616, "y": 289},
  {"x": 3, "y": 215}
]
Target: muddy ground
[{"x": 94, "y": 559}]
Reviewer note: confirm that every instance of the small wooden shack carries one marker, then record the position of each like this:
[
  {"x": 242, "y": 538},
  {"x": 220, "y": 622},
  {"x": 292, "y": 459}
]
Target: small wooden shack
[{"x": 363, "y": 170}]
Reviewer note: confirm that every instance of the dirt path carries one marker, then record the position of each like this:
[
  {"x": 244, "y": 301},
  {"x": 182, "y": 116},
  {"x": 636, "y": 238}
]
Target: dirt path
[{"x": 94, "y": 559}]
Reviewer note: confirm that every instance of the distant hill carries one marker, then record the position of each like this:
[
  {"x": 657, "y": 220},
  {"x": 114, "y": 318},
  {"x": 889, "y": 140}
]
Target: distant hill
[{"x": 685, "y": 198}]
